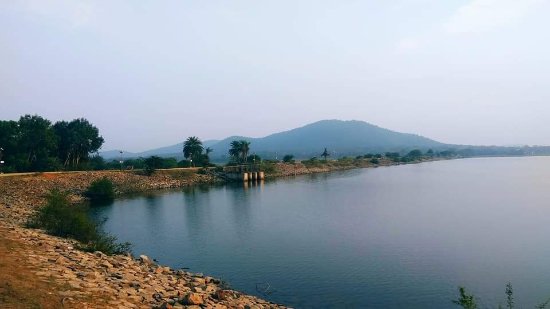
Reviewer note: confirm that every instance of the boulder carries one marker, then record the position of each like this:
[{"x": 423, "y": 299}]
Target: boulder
[
  {"x": 192, "y": 299},
  {"x": 146, "y": 260}
]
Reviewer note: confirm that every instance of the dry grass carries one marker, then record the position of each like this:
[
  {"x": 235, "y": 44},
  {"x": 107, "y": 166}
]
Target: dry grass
[{"x": 21, "y": 288}]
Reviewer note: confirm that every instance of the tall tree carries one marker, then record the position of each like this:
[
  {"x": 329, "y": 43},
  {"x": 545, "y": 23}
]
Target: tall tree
[
  {"x": 239, "y": 150},
  {"x": 325, "y": 154},
  {"x": 77, "y": 140},
  {"x": 9, "y": 134},
  {"x": 192, "y": 148},
  {"x": 245, "y": 148},
  {"x": 37, "y": 141}
]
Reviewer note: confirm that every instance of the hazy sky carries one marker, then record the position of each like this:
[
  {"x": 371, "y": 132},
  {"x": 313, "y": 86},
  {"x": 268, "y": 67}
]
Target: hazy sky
[{"x": 151, "y": 73}]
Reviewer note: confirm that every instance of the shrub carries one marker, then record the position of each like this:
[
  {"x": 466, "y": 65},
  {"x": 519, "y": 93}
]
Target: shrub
[
  {"x": 374, "y": 161},
  {"x": 466, "y": 301},
  {"x": 59, "y": 218},
  {"x": 148, "y": 170},
  {"x": 288, "y": 158},
  {"x": 101, "y": 190},
  {"x": 313, "y": 162},
  {"x": 268, "y": 167}
]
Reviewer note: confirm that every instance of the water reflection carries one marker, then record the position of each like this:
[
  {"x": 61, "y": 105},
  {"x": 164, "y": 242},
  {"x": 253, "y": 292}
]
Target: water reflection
[{"x": 395, "y": 237}]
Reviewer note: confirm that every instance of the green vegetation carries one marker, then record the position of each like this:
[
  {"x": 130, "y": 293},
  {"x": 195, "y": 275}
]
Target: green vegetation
[
  {"x": 468, "y": 301},
  {"x": 59, "y": 218},
  {"x": 325, "y": 154},
  {"x": 465, "y": 300},
  {"x": 192, "y": 148},
  {"x": 101, "y": 190},
  {"x": 193, "y": 152},
  {"x": 288, "y": 158},
  {"x": 239, "y": 151},
  {"x": 33, "y": 144}
]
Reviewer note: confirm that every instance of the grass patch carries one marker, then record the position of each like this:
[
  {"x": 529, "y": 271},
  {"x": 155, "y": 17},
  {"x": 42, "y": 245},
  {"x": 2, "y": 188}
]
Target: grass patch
[{"x": 60, "y": 218}]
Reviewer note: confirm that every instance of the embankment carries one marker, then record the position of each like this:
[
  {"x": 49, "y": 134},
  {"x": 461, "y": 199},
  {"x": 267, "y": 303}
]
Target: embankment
[{"x": 39, "y": 270}]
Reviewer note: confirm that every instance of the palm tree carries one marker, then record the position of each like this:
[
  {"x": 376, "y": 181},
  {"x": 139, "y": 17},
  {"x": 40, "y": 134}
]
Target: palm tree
[
  {"x": 245, "y": 148},
  {"x": 192, "y": 148},
  {"x": 239, "y": 150},
  {"x": 325, "y": 154}
]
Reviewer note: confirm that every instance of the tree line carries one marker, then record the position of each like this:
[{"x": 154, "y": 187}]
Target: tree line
[{"x": 34, "y": 143}]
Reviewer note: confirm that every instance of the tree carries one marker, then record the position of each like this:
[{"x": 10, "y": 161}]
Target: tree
[
  {"x": 254, "y": 158},
  {"x": 509, "y": 296},
  {"x": 77, "y": 140},
  {"x": 239, "y": 150},
  {"x": 288, "y": 158},
  {"x": 414, "y": 154},
  {"x": 325, "y": 154},
  {"x": 192, "y": 148},
  {"x": 9, "y": 133},
  {"x": 37, "y": 142}
]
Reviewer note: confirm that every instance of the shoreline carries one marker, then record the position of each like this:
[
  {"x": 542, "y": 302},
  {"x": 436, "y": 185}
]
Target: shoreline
[{"x": 121, "y": 280}]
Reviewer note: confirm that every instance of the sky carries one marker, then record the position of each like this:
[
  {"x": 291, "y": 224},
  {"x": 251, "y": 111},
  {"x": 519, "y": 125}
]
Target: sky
[{"x": 151, "y": 73}]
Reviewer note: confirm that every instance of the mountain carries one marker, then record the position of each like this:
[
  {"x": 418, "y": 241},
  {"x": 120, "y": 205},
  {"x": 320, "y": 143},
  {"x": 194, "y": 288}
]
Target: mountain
[
  {"x": 167, "y": 151},
  {"x": 339, "y": 137}
]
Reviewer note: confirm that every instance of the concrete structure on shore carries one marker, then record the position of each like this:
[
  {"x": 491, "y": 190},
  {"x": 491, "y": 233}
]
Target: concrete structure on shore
[{"x": 245, "y": 173}]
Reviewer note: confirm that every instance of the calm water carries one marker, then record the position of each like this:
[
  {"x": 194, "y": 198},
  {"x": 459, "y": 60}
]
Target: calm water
[{"x": 393, "y": 237}]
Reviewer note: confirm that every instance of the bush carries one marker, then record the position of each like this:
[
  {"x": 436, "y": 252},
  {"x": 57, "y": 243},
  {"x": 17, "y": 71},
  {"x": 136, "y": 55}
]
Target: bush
[
  {"x": 148, "y": 170},
  {"x": 268, "y": 167},
  {"x": 288, "y": 158},
  {"x": 59, "y": 218},
  {"x": 374, "y": 161},
  {"x": 101, "y": 190}
]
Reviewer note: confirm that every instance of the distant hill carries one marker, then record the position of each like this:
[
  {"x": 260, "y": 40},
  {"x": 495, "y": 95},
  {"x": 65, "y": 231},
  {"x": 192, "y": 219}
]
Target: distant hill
[
  {"x": 167, "y": 151},
  {"x": 339, "y": 137}
]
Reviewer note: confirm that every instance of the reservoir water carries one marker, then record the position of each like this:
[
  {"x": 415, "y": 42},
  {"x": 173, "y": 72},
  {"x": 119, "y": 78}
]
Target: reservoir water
[{"x": 392, "y": 237}]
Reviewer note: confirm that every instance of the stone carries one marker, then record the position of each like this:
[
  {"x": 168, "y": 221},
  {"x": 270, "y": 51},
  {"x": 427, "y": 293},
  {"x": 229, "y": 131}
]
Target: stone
[
  {"x": 225, "y": 294},
  {"x": 144, "y": 259},
  {"x": 192, "y": 299},
  {"x": 106, "y": 264},
  {"x": 165, "y": 305}
]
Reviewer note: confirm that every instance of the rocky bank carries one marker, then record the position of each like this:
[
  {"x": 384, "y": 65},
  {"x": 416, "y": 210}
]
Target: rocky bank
[{"x": 94, "y": 280}]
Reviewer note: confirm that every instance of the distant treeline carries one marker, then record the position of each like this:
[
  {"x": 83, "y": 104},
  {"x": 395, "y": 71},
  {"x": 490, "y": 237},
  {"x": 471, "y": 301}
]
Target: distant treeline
[{"x": 33, "y": 143}]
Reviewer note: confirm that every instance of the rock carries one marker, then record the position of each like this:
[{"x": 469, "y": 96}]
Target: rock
[
  {"x": 106, "y": 264},
  {"x": 135, "y": 284},
  {"x": 165, "y": 305},
  {"x": 226, "y": 294},
  {"x": 144, "y": 259},
  {"x": 192, "y": 299},
  {"x": 199, "y": 281}
]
